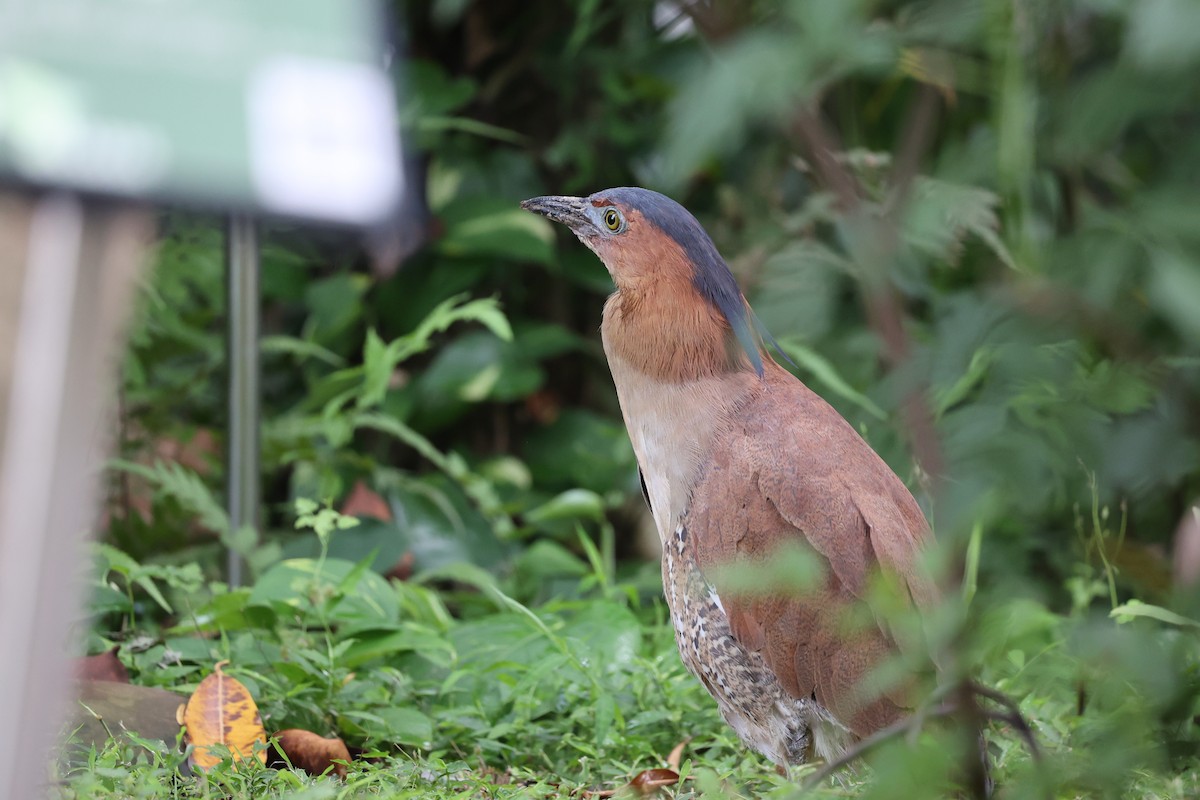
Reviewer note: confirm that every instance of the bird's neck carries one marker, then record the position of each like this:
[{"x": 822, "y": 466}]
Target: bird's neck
[
  {"x": 680, "y": 377},
  {"x": 666, "y": 331}
]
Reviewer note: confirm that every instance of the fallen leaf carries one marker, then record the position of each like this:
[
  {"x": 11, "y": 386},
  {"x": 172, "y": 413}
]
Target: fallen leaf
[
  {"x": 649, "y": 781},
  {"x": 222, "y": 712},
  {"x": 312, "y": 753},
  {"x": 363, "y": 502},
  {"x": 676, "y": 756},
  {"x": 101, "y": 667},
  {"x": 402, "y": 570}
]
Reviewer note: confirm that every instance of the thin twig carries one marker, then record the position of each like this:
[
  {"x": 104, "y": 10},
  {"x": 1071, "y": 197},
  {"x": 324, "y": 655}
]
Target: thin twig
[
  {"x": 1014, "y": 717},
  {"x": 915, "y": 722},
  {"x": 884, "y": 308},
  {"x": 864, "y": 746},
  {"x": 976, "y": 767}
]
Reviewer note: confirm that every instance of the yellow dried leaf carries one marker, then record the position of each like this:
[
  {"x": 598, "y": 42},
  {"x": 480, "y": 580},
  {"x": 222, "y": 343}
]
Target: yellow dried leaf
[{"x": 222, "y": 712}]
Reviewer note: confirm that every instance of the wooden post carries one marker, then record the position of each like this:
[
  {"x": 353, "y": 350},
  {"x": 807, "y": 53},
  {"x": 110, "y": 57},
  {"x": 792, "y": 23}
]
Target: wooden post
[{"x": 67, "y": 275}]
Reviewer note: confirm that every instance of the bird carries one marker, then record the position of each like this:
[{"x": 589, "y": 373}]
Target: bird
[{"x": 738, "y": 459}]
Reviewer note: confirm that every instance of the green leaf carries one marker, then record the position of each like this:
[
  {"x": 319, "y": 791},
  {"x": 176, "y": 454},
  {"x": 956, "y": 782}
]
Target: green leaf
[
  {"x": 471, "y": 126},
  {"x": 300, "y": 348},
  {"x": 305, "y": 506},
  {"x": 1136, "y": 608},
  {"x": 573, "y": 504},
  {"x": 548, "y": 559},
  {"x": 947, "y": 397},
  {"x": 432, "y": 92},
  {"x": 797, "y": 291},
  {"x": 486, "y": 226},
  {"x": 607, "y": 635},
  {"x": 371, "y": 644},
  {"x": 970, "y": 581},
  {"x": 297, "y": 582},
  {"x": 379, "y": 362},
  {"x": 152, "y": 590},
  {"x": 405, "y": 726},
  {"x": 1175, "y": 289},
  {"x": 227, "y": 611},
  {"x": 183, "y": 486},
  {"x": 115, "y": 560},
  {"x": 940, "y": 215},
  {"x": 825, "y": 372}
]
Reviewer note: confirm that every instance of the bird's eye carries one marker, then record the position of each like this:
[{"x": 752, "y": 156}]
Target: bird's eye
[{"x": 612, "y": 220}]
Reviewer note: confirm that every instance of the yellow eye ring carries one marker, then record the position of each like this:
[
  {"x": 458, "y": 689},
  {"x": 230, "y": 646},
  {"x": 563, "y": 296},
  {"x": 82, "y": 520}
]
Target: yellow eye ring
[{"x": 612, "y": 220}]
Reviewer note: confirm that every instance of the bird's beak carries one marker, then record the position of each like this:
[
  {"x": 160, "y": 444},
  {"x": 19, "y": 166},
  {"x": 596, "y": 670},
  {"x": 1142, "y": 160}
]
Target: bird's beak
[{"x": 570, "y": 211}]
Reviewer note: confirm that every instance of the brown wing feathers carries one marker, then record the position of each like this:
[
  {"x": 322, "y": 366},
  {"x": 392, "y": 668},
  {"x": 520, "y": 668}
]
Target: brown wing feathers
[{"x": 811, "y": 476}]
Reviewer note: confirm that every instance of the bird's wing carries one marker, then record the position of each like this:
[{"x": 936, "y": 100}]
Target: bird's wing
[{"x": 792, "y": 471}]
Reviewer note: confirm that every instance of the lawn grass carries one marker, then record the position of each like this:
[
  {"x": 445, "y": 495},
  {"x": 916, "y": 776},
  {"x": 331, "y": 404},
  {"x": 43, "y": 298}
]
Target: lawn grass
[{"x": 448, "y": 686}]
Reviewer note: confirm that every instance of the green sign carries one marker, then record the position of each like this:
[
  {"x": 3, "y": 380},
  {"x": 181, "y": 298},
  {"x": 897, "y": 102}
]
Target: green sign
[{"x": 279, "y": 105}]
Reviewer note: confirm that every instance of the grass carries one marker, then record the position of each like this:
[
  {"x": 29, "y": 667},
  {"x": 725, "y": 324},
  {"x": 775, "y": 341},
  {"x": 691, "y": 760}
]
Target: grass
[
  {"x": 449, "y": 686},
  {"x": 584, "y": 699}
]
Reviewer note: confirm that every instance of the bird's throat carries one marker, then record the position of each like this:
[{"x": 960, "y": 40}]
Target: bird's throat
[{"x": 670, "y": 335}]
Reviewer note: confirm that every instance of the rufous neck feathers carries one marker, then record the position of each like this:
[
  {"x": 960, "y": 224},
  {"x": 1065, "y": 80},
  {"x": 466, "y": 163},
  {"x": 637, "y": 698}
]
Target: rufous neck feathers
[{"x": 664, "y": 329}]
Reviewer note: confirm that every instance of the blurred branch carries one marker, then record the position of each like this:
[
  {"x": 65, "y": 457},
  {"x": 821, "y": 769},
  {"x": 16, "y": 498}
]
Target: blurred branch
[
  {"x": 883, "y": 305},
  {"x": 824, "y": 147},
  {"x": 1014, "y": 717},
  {"x": 977, "y": 777}
]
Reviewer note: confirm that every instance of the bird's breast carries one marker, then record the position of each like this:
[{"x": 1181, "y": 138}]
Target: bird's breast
[{"x": 672, "y": 426}]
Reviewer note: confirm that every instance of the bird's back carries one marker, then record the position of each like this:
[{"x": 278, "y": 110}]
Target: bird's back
[{"x": 790, "y": 471}]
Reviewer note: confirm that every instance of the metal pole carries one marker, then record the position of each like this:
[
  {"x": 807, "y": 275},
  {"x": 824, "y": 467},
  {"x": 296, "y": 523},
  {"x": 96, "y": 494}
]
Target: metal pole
[
  {"x": 70, "y": 272},
  {"x": 242, "y": 452}
]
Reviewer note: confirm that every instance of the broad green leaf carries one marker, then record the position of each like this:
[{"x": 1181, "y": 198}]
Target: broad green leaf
[
  {"x": 406, "y": 726},
  {"x": 301, "y": 582},
  {"x": 1136, "y": 608},
  {"x": 493, "y": 227},
  {"x": 372, "y": 644}
]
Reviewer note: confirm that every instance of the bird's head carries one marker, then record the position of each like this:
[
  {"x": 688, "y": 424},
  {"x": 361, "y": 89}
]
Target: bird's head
[{"x": 652, "y": 247}]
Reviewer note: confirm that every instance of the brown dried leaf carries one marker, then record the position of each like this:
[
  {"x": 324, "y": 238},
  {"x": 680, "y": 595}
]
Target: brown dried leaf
[
  {"x": 402, "y": 570},
  {"x": 101, "y": 667},
  {"x": 364, "y": 502},
  {"x": 312, "y": 753},
  {"x": 649, "y": 781},
  {"x": 222, "y": 712},
  {"x": 676, "y": 756}
]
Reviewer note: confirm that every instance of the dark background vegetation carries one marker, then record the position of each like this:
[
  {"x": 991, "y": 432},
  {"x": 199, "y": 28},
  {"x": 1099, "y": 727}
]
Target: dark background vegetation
[{"x": 974, "y": 225}]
